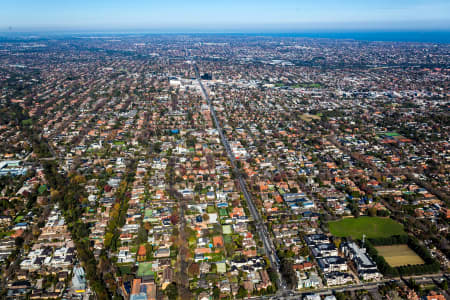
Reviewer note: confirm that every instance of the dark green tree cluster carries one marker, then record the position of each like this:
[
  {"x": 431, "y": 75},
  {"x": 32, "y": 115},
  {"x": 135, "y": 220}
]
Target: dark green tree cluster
[
  {"x": 68, "y": 198},
  {"x": 119, "y": 212},
  {"x": 390, "y": 240},
  {"x": 13, "y": 113},
  {"x": 171, "y": 291},
  {"x": 288, "y": 273}
]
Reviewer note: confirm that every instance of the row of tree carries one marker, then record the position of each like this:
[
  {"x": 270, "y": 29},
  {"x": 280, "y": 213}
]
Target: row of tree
[
  {"x": 118, "y": 213},
  {"x": 68, "y": 194},
  {"x": 430, "y": 264}
]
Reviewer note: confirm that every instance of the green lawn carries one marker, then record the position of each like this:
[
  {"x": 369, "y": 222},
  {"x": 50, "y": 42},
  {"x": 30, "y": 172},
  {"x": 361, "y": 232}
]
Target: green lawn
[
  {"x": 145, "y": 269},
  {"x": 391, "y": 134},
  {"x": 18, "y": 219},
  {"x": 372, "y": 227}
]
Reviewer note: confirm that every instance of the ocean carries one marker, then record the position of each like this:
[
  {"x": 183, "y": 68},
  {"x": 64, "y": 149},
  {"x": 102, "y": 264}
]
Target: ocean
[{"x": 387, "y": 36}]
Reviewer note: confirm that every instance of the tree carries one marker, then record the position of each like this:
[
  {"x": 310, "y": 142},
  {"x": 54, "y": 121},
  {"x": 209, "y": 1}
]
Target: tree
[
  {"x": 288, "y": 272},
  {"x": 194, "y": 270},
  {"x": 142, "y": 235},
  {"x": 216, "y": 293},
  {"x": 205, "y": 217},
  {"x": 55, "y": 195},
  {"x": 109, "y": 171},
  {"x": 304, "y": 251},
  {"x": 340, "y": 296},
  {"x": 382, "y": 213},
  {"x": 78, "y": 179},
  {"x": 19, "y": 241},
  {"x": 148, "y": 251},
  {"x": 444, "y": 285},
  {"x": 147, "y": 226},
  {"x": 242, "y": 292},
  {"x": 372, "y": 211},
  {"x": 172, "y": 291},
  {"x": 337, "y": 242},
  {"x": 174, "y": 218},
  {"x": 107, "y": 240}
]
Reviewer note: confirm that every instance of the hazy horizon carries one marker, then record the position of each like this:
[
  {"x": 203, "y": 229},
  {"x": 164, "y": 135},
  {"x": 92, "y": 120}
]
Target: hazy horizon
[
  {"x": 431, "y": 36},
  {"x": 229, "y": 16}
]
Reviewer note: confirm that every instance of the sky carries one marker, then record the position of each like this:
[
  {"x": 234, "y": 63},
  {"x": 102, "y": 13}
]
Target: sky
[{"x": 224, "y": 15}]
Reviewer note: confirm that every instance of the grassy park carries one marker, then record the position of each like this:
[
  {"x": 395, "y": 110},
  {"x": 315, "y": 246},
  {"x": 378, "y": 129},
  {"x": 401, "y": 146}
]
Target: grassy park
[{"x": 372, "y": 227}]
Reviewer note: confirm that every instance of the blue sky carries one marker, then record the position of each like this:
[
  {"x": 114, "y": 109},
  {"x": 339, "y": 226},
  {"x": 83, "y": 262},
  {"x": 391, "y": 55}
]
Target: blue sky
[{"x": 226, "y": 15}]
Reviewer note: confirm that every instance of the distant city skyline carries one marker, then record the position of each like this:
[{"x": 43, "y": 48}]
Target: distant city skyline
[{"x": 225, "y": 16}]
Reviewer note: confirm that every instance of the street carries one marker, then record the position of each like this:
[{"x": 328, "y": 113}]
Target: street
[{"x": 260, "y": 226}]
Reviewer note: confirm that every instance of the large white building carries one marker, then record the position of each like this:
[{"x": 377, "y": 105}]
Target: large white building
[{"x": 367, "y": 269}]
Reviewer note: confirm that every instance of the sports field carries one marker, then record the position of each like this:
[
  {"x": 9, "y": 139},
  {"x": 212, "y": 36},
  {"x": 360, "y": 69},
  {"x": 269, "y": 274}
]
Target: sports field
[
  {"x": 309, "y": 118},
  {"x": 399, "y": 255},
  {"x": 372, "y": 227}
]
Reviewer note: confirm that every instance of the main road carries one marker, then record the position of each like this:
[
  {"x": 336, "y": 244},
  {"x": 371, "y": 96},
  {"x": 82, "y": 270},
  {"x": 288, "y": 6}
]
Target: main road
[
  {"x": 260, "y": 226},
  {"x": 370, "y": 286}
]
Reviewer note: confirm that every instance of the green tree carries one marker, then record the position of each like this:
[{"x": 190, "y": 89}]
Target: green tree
[
  {"x": 172, "y": 291},
  {"x": 142, "y": 235},
  {"x": 19, "y": 241},
  {"x": 340, "y": 296},
  {"x": 242, "y": 292},
  {"x": 444, "y": 285},
  {"x": 372, "y": 211},
  {"x": 216, "y": 293}
]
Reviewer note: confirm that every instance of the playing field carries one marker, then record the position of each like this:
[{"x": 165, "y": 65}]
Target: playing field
[
  {"x": 309, "y": 118},
  {"x": 372, "y": 227},
  {"x": 399, "y": 255}
]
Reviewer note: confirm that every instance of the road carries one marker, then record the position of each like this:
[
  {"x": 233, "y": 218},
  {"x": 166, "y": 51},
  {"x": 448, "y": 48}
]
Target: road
[
  {"x": 260, "y": 226},
  {"x": 182, "y": 277},
  {"x": 292, "y": 295}
]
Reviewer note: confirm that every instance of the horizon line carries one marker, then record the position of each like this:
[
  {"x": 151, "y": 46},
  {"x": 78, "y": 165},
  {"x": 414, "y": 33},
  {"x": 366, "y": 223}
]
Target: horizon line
[{"x": 224, "y": 31}]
